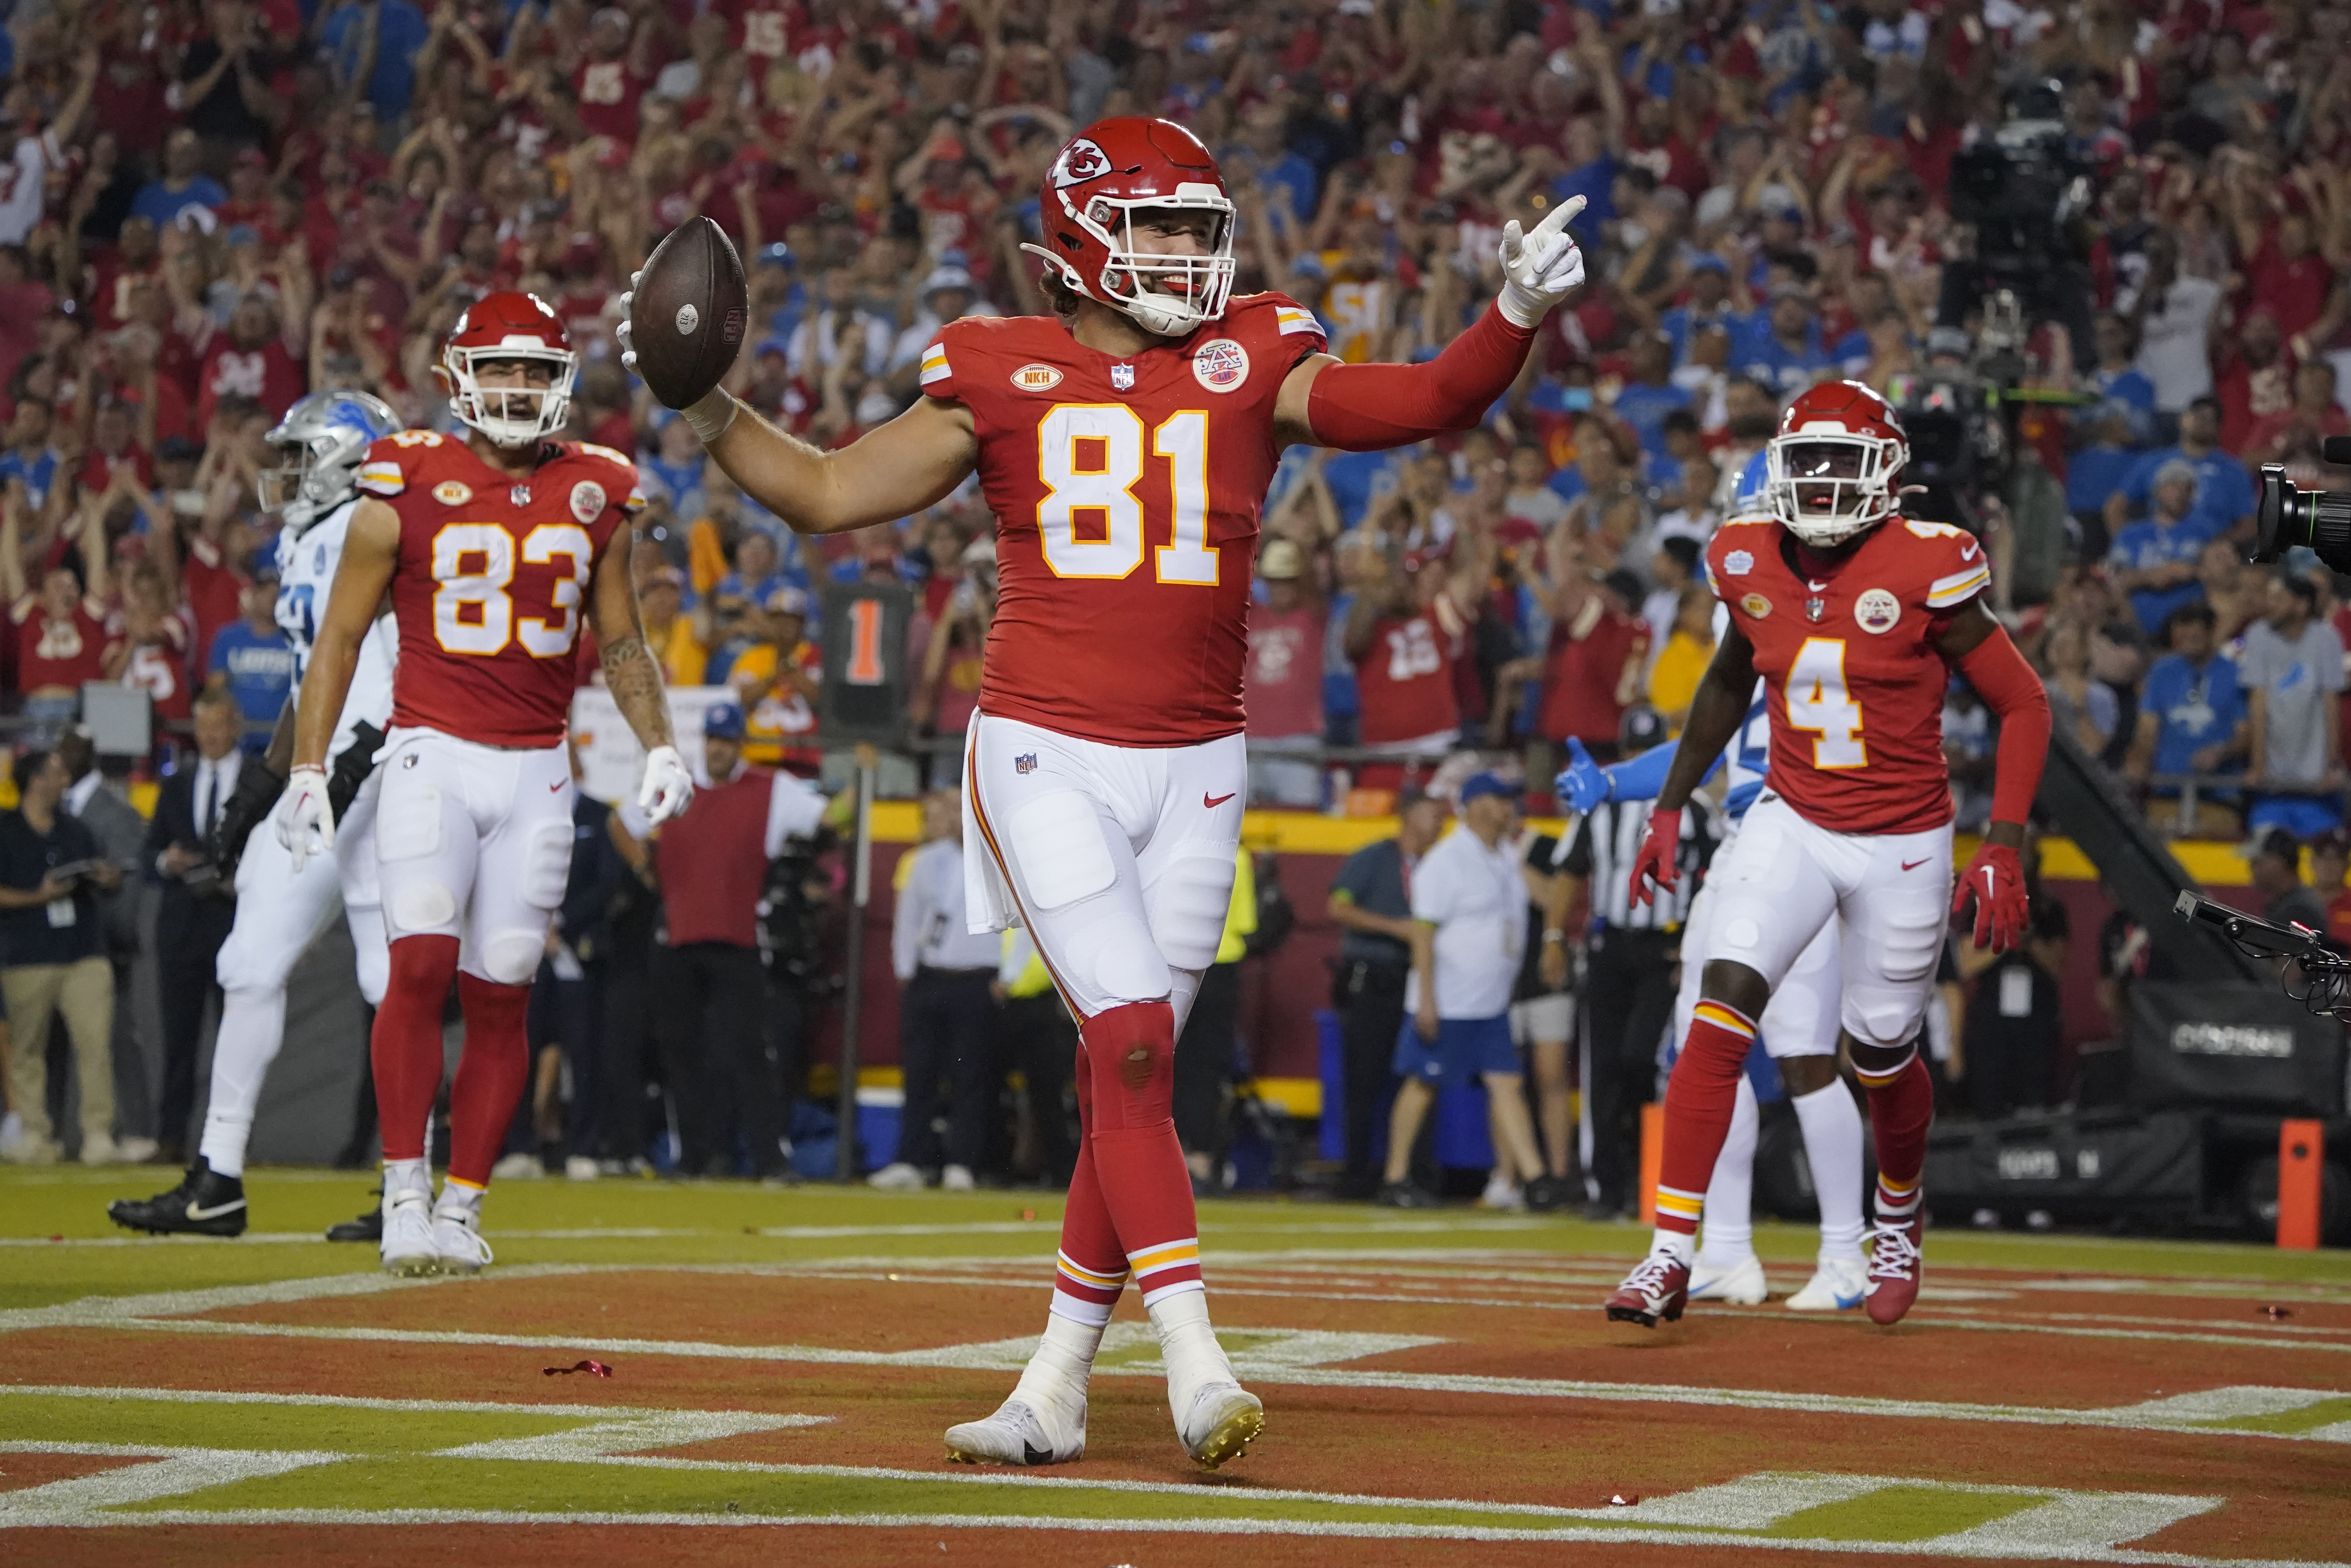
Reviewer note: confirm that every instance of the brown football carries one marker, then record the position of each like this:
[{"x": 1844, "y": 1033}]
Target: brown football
[{"x": 688, "y": 318}]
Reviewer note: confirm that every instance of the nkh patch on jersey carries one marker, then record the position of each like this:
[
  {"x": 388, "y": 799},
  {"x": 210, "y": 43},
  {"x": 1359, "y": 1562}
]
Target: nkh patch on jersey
[
  {"x": 1126, "y": 495},
  {"x": 1855, "y": 684},
  {"x": 490, "y": 596}
]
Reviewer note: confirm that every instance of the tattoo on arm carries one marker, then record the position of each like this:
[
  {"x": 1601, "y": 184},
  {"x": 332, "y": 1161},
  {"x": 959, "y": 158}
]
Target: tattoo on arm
[{"x": 636, "y": 686}]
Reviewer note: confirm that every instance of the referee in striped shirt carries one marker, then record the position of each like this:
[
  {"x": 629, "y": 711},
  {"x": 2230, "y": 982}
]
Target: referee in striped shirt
[{"x": 1630, "y": 951}]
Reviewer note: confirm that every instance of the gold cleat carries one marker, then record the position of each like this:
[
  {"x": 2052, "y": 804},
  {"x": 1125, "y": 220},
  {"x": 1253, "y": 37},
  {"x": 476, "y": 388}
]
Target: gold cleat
[{"x": 1233, "y": 1418}]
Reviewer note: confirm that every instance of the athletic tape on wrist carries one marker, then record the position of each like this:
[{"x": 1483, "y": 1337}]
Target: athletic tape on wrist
[{"x": 710, "y": 423}]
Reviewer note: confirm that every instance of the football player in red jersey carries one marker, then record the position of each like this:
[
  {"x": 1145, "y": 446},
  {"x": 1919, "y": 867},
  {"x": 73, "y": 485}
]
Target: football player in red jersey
[
  {"x": 1853, "y": 615},
  {"x": 495, "y": 551},
  {"x": 1124, "y": 449}
]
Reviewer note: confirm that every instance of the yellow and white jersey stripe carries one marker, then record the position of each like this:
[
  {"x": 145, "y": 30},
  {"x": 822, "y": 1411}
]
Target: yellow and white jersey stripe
[
  {"x": 935, "y": 365},
  {"x": 1291, "y": 318},
  {"x": 382, "y": 478},
  {"x": 1946, "y": 593}
]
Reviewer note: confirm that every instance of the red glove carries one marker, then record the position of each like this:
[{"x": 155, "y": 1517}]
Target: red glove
[
  {"x": 1659, "y": 850},
  {"x": 1995, "y": 880}
]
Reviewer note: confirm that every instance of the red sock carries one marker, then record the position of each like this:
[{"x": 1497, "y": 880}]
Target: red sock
[
  {"x": 1129, "y": 1053},
  {"x": 1699, "y": 1098},
  {"x": 1901, "y": 1109},
  {"x": 1091, "y": 1270},
  {"x": 404, "y": 1046},
  {"x": 490, "y": 1075}
]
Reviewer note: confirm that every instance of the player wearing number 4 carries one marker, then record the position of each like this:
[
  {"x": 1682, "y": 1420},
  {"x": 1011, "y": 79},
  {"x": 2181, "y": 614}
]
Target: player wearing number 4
[
  {"x": 1852, "y": 616},
  {"x": 1124, "y": 449},
  {"x": 493, "y": 550}
]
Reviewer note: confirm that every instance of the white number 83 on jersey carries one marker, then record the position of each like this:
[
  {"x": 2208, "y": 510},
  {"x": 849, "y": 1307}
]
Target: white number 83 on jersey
[
  {"x": 1818, "y": 702},
  {"x": 473, "y": 613}
]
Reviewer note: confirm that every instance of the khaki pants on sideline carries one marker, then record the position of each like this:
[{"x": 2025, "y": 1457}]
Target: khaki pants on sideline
[{"x": 83, "y": 993}]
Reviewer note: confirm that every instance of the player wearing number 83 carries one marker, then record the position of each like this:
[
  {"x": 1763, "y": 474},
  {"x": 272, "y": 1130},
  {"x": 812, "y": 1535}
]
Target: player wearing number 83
[
  {"x": 496, "y": 552},
  {"x": 1852, "y": 616},
  {"x": 1125, "y": 450}
]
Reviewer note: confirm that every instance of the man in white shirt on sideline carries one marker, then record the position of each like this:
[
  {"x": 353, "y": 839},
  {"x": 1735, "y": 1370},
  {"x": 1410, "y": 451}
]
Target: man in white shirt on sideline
[
  {"x": 947, "y": 1009},
  {"x": 1470, "y": 913}
]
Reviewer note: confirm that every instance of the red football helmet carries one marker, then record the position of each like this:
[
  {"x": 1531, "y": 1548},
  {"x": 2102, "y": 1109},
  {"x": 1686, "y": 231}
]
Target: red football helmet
[
  {"x": 1833, "y": 470},
  {"x": 508, "y": 325},
  {"x": 1088, "y": 205}
]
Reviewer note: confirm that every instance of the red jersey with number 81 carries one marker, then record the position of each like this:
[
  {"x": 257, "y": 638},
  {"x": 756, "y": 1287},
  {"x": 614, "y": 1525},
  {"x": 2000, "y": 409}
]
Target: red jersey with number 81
[
  {"x": 1855, "y": 684},
  {"x": 492, "y": 582},
  {"x": 1126, "y": 494}
]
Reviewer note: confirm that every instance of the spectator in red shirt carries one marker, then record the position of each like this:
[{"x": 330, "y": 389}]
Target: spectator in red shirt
[
  {"x": 1593, "y": 668},
  {"x": 2256, "y": 380},
  {"x": 2330, "y": 859},
  {"x": 147, "y": 645},
  {"x": 610, "y": 82},
  {"x": 1401, "y": 636},
  {"x": 60, "y": 630},
  {"x": 1284, "y": 681},
  {"x": 2294, "y": 432},
  {"x": 259, "y": 358},
  {"x": 114, "y": 445}
]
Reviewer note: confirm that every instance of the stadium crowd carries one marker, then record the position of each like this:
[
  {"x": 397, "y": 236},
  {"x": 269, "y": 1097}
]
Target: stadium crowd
[{"x": 211, "y": 208}]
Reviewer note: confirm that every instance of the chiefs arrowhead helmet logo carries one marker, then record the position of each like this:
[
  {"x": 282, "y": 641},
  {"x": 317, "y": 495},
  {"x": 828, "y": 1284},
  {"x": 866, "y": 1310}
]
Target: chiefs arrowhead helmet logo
[{"x": 1083, "y": 160}]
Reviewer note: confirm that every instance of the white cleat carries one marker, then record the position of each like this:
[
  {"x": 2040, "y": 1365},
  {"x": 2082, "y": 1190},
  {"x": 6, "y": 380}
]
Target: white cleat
[
  {"x": 458, "y": 1241},
  {"x": 407, "y": 1235},
  {"x": 957, "y": 1178},
  {"x": 897, "y": 1177},
  {"x": 1226, "y": 1418},
  {"x": 1838, "y": 1285},
  {"x": 1502, "y": 1193},
  {"x": 1015, "y": 1435},
  {"x": 1742, "y": 1284}
]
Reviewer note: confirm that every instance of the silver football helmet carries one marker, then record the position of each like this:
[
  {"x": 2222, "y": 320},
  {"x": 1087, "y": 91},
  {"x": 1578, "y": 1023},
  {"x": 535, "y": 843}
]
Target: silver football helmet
[{"x": 321, "y": 442}]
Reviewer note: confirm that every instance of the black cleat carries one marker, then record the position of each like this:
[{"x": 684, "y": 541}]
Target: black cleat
[
  {"x": 206, "y": 1203},
  {"x": 368, "y": 1227}
]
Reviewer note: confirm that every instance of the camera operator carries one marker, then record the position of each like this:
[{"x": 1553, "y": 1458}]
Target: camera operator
[{"x": 2026, "y": 196}]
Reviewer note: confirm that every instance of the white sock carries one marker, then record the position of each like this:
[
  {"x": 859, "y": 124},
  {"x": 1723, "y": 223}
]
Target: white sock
[
  {"x": 1054, "y": 1381},
  {"x": 406, "y": 1176},
  {"x": 1188, "y": 1346},
  {"x": 1681, "y": 1248},
  {"x": 251, "y": 1027},
  {"x": 459, "y": 1198},
  {"x": 1729, "y": 1236},
  {"x": 1832, "y": 1125}
]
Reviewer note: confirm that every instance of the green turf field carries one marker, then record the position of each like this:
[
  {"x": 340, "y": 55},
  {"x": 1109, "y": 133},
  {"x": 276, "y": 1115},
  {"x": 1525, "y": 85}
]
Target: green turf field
[{"x": 1436, "y": 1384}]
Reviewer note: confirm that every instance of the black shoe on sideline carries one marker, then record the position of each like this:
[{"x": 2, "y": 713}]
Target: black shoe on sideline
[
  {"x": 1547, "y": 1194},
  {"x": 1404, "y": 1195},
  {"x": 206, "y": 1203},
  {"x": 367, "y": 1226}
]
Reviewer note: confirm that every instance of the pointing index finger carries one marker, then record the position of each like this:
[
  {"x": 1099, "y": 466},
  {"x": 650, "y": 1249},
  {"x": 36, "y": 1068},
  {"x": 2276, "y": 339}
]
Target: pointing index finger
[{"x": 1558, "y": 218}]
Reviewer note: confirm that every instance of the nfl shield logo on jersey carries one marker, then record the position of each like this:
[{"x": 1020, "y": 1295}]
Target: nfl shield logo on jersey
[
  {"x": 1221, "y": 365},
  {"x": 1025, "y": 763},
  {"x": 1122, "y": 378},
  {"x": 1816, "y": 608},
  {"x": 520, "y": 496}
]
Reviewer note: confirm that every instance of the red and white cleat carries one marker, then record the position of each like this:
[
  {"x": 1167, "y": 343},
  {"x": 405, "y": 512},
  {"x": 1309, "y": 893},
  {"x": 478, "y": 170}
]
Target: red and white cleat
[
  {"x": 1659, "y": 1288},
  {"x": 1896, "y": 1266}
]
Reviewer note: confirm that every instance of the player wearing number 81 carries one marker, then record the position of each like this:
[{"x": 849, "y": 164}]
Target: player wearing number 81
[
  {"x": 1852, "y": 616},
  {"x": 1124, "y": 449},
  {"x": 496, "y": 552}
]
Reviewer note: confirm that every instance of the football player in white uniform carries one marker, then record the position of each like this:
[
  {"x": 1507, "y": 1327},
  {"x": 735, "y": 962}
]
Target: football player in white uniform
[{"x": 281, "y": 910}]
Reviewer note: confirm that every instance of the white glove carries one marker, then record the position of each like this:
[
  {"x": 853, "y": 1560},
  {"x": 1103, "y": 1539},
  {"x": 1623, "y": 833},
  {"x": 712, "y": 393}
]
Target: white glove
[
  {"x": 668, "y": 787},
  {"x": 306, "y": 813},
  {"x": 628, "y": 348},
  {"x": 1540, "y": 269}
]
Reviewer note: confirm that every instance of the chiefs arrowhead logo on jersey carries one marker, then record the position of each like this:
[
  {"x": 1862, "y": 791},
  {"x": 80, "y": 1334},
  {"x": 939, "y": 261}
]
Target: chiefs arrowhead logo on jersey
[
  {"x": 587, "y": 500},
  {"x": 1877, "y": 610},
  {"x": 1084, "y": 160},
  {"x": 451, "y": 492},
  {"x": 1034, "y": 377},
  {"x": 1221, "y": 365}
]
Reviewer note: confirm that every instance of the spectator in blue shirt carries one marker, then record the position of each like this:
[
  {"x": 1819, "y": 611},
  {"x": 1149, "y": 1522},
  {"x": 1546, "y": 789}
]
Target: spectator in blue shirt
[
  {"x": 2191, "y": 719},
  {"x": 395, "y": 31},
  {"x": 1645, "y": 400},
  {"x": 1782, "y": 348},
  {"x": 30, "y": 459},
  {"x": 185, "y": 184},
  {"x": 2224, "y": 491},
  {"x": 253, "y": 660},
  {"x": 2118, "y": 377},
  {"x": 1709, "y": 305},
  {"x": 1592, "y": 174},
  {"x": 2100, "y": 470},
  {"x": 2154, "y": 560},
  {"x": 1356, "y": 479},
  {"x": 758, "y": 573}
]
